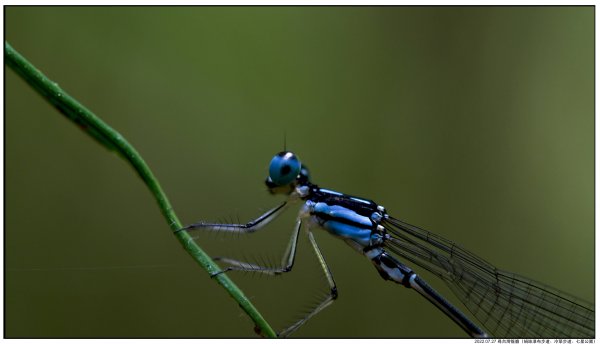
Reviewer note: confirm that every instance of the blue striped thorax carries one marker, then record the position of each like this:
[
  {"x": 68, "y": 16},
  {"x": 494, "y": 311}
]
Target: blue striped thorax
[{"x": 353, "y": 219}]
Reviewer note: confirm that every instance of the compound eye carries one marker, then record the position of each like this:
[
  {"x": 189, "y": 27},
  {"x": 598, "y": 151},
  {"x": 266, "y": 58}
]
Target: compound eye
[{"x": 284, "y": 168}]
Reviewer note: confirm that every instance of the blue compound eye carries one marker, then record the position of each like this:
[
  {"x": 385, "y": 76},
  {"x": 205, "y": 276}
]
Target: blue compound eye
[{"x": 284, "y": 168}]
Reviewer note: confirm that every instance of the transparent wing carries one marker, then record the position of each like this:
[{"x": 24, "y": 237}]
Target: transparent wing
[{"x": 506, "y": 304}]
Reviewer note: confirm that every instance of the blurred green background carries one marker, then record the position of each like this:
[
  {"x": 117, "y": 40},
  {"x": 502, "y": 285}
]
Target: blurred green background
[{"x": 476, "y": 123}]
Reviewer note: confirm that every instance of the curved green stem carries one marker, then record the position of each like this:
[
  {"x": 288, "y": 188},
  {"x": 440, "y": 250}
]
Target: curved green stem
[{"x": 112, "y": 140}]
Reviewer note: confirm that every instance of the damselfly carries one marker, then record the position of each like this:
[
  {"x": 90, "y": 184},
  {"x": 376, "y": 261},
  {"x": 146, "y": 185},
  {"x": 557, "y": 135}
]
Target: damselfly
[{"x": 505, "y": 304}]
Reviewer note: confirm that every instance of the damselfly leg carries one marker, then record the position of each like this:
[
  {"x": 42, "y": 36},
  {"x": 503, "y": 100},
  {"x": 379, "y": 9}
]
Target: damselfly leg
[
  {"x": 328, "y": 299},
  {"x": 287, "y": 261},
  {"x": 250, "y": 227}
]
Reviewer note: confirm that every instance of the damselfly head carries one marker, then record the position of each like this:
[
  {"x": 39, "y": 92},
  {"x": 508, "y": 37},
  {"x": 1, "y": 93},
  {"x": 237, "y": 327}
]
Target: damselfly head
[{"x": 285, "y": 172}]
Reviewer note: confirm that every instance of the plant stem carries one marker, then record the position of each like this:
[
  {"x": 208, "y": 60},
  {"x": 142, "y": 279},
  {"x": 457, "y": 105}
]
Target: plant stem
[{"x": 113, "y": 140}]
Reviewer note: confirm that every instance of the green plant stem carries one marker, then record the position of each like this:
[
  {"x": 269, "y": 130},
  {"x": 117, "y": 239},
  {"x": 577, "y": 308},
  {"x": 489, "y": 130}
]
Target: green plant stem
[{"x": 112, "y": 140}]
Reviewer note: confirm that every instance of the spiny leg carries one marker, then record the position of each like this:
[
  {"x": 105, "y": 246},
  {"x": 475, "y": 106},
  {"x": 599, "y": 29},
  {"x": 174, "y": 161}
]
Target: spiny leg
[
  {"x": 287, "y": 260},
  {"x": 249, "y": 227},
  {"x": 327, "y": 301}
]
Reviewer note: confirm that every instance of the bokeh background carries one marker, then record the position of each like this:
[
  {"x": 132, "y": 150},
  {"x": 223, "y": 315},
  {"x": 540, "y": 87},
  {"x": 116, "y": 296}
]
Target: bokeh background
[{"x": 476, "y": 123}]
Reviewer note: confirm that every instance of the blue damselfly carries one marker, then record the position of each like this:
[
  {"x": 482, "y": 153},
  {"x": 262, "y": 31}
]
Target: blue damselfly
[{"x": 505, "y": 304}]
